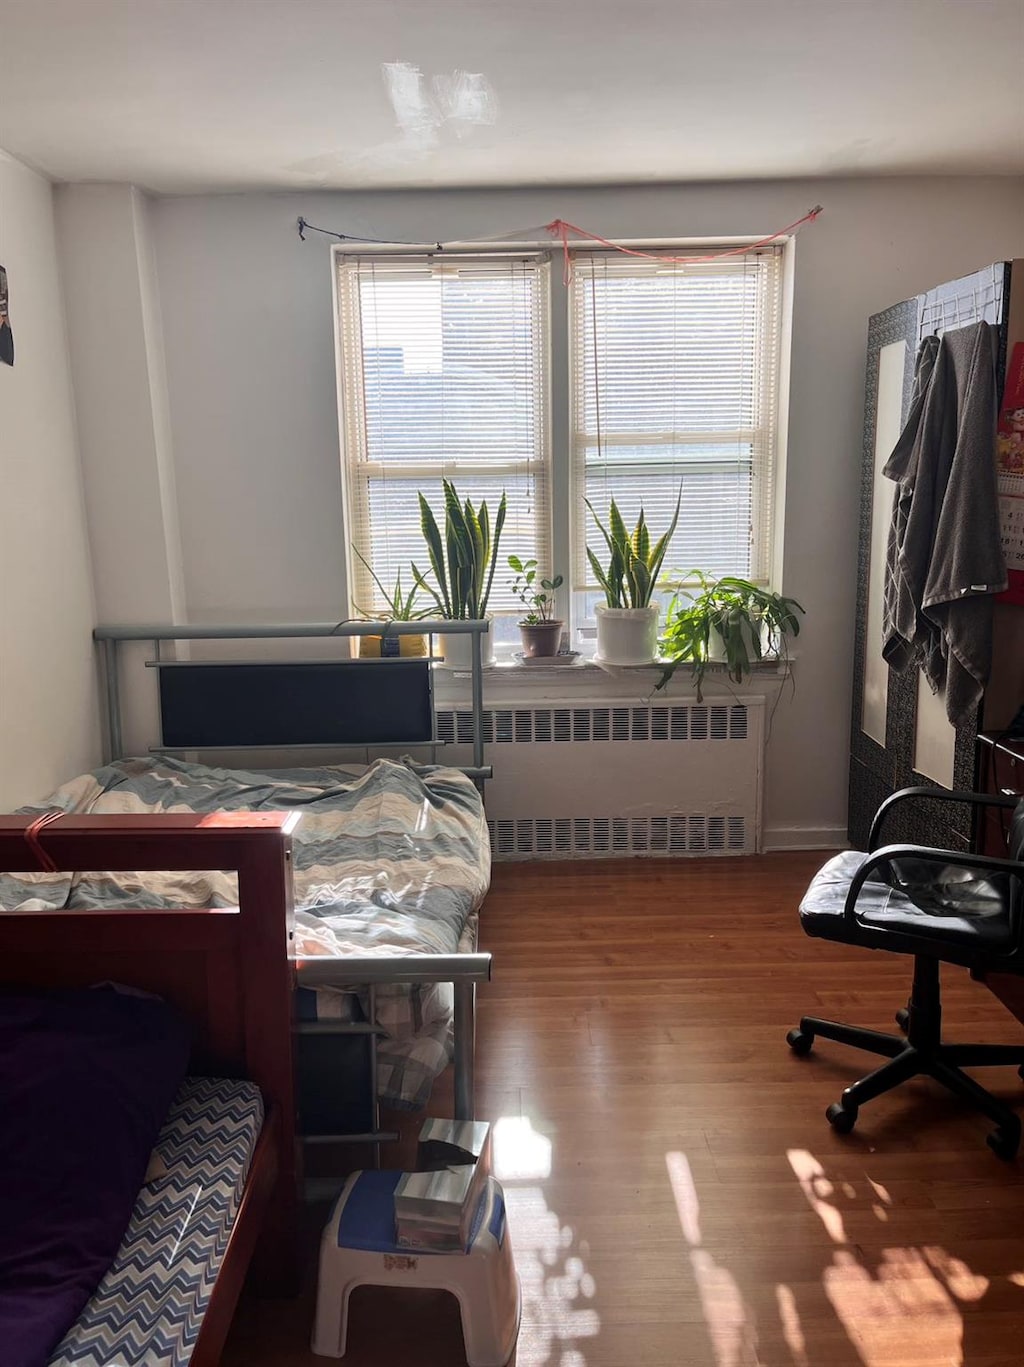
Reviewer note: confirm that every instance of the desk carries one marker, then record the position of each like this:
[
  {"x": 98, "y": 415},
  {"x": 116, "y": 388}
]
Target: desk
[{"x": 1000, "y": 770}]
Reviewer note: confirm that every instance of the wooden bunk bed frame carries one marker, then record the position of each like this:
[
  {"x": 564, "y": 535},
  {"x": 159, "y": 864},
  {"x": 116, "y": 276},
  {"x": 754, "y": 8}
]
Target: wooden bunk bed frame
[{"x": 226, "y": 971}]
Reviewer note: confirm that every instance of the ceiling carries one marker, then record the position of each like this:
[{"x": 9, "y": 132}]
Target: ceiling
[{"x": 197, "y": 95}]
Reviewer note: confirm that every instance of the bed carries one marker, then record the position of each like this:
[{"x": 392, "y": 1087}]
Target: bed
[
  {"x": 391, "y": 862},
  {"x": 96, "y": 1096}
]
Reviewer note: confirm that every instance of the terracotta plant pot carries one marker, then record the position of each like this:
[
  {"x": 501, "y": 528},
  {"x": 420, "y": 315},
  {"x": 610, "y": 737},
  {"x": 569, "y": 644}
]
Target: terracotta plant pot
[{"x": 540, "y": 639}]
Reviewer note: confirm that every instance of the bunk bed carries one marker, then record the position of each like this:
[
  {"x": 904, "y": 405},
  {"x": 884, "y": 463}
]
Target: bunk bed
[
  {"x": 224, "y": 1191},
  {"x": 391, "y": 862}
]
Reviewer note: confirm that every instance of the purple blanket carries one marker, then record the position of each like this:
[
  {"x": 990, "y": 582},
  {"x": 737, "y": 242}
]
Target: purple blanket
[{"x": 86, "y": 1079}]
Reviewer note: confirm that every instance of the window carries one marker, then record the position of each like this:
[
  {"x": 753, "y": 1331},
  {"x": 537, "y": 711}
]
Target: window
[
  {"x": 674, "y": 394},
  {"x": 668, "y": 382},
  {"x": 444, "y": 373}
]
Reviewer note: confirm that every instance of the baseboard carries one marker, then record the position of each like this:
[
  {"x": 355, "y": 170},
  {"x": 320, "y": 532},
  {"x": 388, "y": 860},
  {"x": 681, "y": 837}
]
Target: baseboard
[{"x": 805, "y": 838}]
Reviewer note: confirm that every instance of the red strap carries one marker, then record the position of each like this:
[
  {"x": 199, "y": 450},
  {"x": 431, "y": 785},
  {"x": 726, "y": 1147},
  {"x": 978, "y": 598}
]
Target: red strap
[
  {"x": 32, "y": 835},
  {"x": 561, "y": 229}
]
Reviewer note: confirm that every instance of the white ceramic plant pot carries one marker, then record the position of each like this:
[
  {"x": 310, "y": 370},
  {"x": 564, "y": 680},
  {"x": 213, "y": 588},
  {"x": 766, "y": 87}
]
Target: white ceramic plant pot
[
  {"x": 626, "y": 636},
  {"x": 716, "y": 646},
  {"x": 457, "y": 649}
]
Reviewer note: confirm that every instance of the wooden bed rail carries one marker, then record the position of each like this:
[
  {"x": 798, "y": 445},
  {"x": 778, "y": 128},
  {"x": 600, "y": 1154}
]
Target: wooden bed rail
[
  {"x": 147, "y": 840},
  {"x": 227, "y": 971}
]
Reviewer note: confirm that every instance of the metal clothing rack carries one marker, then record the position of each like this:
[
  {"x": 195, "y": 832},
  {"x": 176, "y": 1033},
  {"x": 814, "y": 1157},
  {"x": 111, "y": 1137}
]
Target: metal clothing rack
[
  {"x": 975, "y": 298},
  {"x": 464, "y": 971}
]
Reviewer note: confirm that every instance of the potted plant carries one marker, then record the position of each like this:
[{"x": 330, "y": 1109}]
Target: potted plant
[
  {"x": 463, "y": 563},
  {"x": 401, "y": 608},
  {"x": 729, "y": 621},
  {"x": 627, "y": 622},
  {"x": 539, "y": 629}
]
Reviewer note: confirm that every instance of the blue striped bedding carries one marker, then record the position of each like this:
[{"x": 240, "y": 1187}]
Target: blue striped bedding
[{"x": 393, "y": 860}]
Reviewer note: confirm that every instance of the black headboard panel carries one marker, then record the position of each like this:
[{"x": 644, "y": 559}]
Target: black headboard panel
[{"x": 305, "y": 703}]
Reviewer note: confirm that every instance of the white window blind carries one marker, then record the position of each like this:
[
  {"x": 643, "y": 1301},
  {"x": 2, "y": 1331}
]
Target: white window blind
[
  {"x": 674, "y": 380},
  {"x": 444, "y": 373}
]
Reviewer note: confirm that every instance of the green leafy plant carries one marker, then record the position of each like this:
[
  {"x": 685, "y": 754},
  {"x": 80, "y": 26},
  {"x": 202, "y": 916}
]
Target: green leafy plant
[
  {"x": 748, "y": 621},
  {"x": 634, "y": 564},
  {"x": 401, "y": 604},
  {"x": 463, "y": 560},
  {"x": 538, "y": 601}
]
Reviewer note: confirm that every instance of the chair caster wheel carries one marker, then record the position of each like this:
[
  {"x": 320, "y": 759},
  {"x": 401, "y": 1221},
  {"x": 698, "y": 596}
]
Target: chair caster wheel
[
  {"x": 903, "y": 1019},
  {"x": 1003, "y": 1143},
  {"x": 799, "y": 1041},
  {"x": 841, "y": 1118}
]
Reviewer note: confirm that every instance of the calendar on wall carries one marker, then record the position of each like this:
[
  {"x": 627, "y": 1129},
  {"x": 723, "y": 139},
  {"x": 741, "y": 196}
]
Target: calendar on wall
[
  {"x": 1010, "y": 469},
  {"x": 1012, "y": 507}
]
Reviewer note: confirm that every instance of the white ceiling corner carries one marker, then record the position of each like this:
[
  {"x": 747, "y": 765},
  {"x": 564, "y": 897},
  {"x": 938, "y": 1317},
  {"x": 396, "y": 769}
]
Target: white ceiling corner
[{"x": 194, "y": 95}]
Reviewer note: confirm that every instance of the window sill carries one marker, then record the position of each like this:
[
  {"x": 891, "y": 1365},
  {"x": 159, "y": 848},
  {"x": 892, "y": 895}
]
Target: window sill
[{"x": 514, "y": 672}]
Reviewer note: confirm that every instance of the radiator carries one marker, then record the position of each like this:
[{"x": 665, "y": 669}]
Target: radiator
[{"x": 576, "y": 779}]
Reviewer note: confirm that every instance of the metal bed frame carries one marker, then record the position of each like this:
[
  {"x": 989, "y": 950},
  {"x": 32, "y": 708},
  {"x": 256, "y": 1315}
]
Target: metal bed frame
[{"x": 464, "y": 971}]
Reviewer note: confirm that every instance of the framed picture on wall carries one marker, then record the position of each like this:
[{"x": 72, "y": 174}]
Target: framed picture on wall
[{"x": 6, "y": 335}]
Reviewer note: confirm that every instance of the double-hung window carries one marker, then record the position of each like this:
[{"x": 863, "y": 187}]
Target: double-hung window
[
  {"x": 444, "y": 375},
  {"x": 665, "y": 385},
  {"x": 674, "y": 382}
]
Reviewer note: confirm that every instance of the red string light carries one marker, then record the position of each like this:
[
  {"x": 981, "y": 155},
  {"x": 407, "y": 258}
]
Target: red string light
[{"x": 561, "y": 229}]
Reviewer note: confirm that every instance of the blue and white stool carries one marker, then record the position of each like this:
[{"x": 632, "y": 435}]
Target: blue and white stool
[{"x": 358, "y": 1248}]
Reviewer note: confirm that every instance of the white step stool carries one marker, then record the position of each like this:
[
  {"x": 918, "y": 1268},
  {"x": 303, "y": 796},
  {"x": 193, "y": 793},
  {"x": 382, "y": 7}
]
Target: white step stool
[{"x": 358, "y": 1248}]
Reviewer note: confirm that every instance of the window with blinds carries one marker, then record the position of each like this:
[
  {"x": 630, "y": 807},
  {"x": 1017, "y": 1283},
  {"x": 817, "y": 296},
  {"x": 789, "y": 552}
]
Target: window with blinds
[
  {"x": 674, "y": 388},
  {"x": 444, "y": 374}
]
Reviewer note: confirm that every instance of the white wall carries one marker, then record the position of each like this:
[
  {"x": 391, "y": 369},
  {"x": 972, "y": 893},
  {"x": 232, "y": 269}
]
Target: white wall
[
  {"x": 115, "y": 335},
  {"x": 250, "y": 366},
  {"x": 246, "y": 427},
  {"x": 49, "y": 726},
  {"x": 116, "y": 347}
]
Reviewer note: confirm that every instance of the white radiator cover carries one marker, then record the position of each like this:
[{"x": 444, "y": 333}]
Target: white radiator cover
[{"x": 581, "y": 779}]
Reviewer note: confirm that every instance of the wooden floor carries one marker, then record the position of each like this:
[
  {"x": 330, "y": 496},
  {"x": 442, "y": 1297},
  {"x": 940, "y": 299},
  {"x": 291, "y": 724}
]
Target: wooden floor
[{"x": 676, "y": 1197}]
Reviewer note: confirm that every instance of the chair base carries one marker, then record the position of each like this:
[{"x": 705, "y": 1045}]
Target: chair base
[{"x": 920, "y": 1053}]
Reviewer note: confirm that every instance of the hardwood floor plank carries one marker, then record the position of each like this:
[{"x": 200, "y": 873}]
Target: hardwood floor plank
[{"x": 676, "y": 1198}]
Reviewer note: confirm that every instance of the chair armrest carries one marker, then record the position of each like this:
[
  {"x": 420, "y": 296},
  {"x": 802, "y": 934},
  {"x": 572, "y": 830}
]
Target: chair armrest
[
  {"x": 958, "y": 858},
  {"x": 936, "y": 794}
]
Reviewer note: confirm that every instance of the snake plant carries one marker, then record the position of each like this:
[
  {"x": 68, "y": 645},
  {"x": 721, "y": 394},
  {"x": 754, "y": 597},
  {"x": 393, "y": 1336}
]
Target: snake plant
[
  {"x": 401, "y": 604},
  {"x": 463, "y": 560},
  {"x": 634, "y": 565}
]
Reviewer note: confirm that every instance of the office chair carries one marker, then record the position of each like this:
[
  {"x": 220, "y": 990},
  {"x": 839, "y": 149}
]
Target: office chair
[{"x": 941, "y": 906}]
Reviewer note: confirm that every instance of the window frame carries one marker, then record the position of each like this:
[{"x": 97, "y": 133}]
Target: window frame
[
  {"x": 765, "y": 436},
  {"x": 349, "y": 353},
  {"x": 564, "y": 498}
]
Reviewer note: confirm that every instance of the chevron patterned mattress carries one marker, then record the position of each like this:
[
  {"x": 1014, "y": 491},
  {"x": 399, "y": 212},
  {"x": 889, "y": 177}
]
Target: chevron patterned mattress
[{"x": 147, "y": 1310}]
